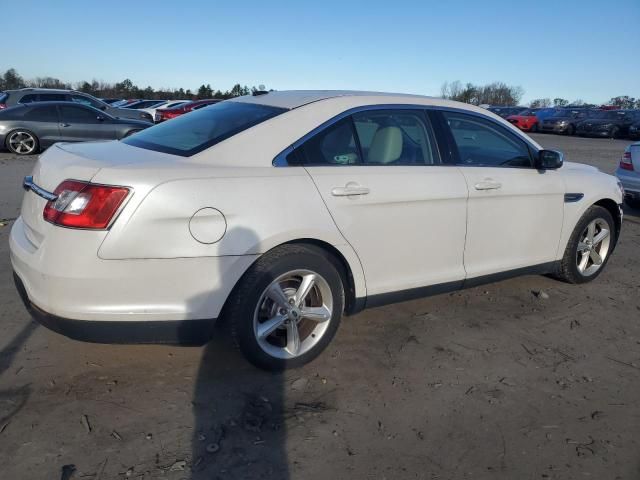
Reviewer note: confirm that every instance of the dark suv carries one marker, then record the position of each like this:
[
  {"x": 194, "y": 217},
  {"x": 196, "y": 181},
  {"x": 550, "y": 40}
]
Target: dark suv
[
  {"x": 10, "y": 98},
  {"x": 608, "y": 123},
  {"x": 564, "y": 120}
]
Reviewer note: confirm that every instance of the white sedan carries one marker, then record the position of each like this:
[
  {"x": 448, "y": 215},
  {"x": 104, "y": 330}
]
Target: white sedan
[{"x": 279, "y": 213}]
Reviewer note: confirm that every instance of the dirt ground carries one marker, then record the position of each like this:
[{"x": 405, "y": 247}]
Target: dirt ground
[{"x": 492, "y": 382}]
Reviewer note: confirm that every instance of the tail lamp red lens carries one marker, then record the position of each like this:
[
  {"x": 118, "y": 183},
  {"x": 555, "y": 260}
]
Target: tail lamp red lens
[
  {"x": 3, "y": 105},
  {"x": 84, "y": 205},
  {"x": 625, "y": 161}
]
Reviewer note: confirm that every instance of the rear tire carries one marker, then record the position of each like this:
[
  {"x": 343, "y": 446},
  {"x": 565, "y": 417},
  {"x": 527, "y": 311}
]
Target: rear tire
[
  {"x": 273, "y": 321},
  {"x": 534, "y": 128},
  {"x": 614, "y": 133},
  {"x": 589, "y": 247},
  {"x": 22, "y": 142}
]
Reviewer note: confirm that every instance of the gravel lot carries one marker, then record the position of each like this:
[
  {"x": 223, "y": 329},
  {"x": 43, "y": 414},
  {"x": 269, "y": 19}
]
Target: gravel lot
[{"x": 491, "y": 382}]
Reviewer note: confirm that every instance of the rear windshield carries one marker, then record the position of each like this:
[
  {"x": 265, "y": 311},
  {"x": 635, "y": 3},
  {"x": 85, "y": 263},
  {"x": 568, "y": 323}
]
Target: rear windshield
[{"x": 196, "y": 131}]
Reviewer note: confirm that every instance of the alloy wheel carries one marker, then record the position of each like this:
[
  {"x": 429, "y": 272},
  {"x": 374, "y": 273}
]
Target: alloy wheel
[
  {"x": 593, "y": 247},
  {"x": 22, "y": 142},
  {"x": 293, "y": 313}
]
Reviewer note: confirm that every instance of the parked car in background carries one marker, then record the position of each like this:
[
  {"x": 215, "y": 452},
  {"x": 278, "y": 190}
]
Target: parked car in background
[
  {"x": 29, "y": 95},
  {"x": 545, "y": 112},
  {"x": 165, "y": 105},
  {"x": 211, "y": 216},
  {"x": 28, "y": 128},
  {"x": 169, "y": 113},
  {"x": 111, "y": 101},
  {"x": 504, "y": 112},
  {"x": 634, "y": 130},
  {"x": 526, "y": 120},
  {"x": 563, "y": 121},
  {"x": 124, "y": 102},
  {"x": 140, "y": 104},
  {"x": 608, "y": 123},
  {"x": 628, "y": 173}
]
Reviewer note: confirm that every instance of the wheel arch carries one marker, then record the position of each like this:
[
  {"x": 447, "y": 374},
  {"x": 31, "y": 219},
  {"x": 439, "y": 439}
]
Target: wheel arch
[{"x": 612, "y": 207}]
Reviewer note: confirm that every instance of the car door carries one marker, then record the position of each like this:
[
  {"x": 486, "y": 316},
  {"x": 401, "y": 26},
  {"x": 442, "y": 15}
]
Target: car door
[
  {"x": 515, "y": 212},
  {"x": 43, "y": 121},
  {"x": 403, "y": 212},
  {"x": 79, "y": 123}
]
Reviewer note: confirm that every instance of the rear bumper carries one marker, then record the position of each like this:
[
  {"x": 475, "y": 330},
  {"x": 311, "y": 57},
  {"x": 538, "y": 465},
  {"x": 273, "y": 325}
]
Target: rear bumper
[
  {"x": 69, "y": 289},
  {"x": 182, "y": 332}
]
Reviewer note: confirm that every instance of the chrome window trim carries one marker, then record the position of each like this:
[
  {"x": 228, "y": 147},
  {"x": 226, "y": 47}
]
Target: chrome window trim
[{"x": 280, "y": 159}]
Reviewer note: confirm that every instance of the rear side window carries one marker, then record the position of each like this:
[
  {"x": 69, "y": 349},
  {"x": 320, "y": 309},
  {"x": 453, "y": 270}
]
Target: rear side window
[
  {"x": 199, "y": 130},
  {"x": 3, "y": 97},
  {"x": 52, "y": 97},
  {"x": 42, "y": 114},
  {"x": 401, "y": 137},
  {"x": 375, "y": 137},
  {"x": 32, "y": 97},
  {"x": 483, "y": 143}
]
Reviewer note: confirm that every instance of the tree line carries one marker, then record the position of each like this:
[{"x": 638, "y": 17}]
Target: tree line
[
  {"x": 501, "y": 94},
  {"x": 11, "y": 80}
]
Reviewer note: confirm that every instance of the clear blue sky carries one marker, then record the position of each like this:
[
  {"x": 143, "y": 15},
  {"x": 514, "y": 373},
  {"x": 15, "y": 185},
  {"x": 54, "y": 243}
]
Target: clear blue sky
[{"x": 588, "y": 49}]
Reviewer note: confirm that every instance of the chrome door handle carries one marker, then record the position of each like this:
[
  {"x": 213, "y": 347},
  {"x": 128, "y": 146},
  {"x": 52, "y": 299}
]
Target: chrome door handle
[
  {"x": 349, "y": 189},
  {"x": 65, "y": 125},
  {"x": 488, "y": 185}
]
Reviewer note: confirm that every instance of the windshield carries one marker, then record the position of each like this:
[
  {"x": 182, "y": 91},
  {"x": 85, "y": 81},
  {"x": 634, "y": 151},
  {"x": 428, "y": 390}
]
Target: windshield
[
  {"x": 528, "y": 113},
  {"x": 199, "y": 130}
]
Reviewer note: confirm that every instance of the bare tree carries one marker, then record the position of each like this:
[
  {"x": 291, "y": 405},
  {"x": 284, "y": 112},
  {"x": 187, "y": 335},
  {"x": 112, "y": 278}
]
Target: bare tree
[
  {"x": 540, "y": 103},
  {"x": 496, "y": 93}
]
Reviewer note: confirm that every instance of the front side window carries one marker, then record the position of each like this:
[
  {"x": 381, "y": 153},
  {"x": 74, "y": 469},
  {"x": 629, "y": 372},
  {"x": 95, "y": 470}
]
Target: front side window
[
  {"x": 72, "y": 114},
  {"x": 201, "y": 129},
  {"x": 482, "y": 143}
]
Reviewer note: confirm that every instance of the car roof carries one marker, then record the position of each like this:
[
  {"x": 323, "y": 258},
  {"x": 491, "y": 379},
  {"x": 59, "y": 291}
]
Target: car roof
[{"x": 291, "y": 99}]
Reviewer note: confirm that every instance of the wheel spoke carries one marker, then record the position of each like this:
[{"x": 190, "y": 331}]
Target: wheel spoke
[
  {"x": 591, "y": 231},
  {"x": 595, "y": 257},
  {"x": 293, "y": 338},
  {"x": 583, "y": 262},
  {"x": 317, "y": 314},
  {"x": 308, "y": 281},
  {"x": 267, "y": 328},
  {"x": 276, "y": 294},
  {"x": 604, "y": 233},
  {"x": 583, "y": 247}
]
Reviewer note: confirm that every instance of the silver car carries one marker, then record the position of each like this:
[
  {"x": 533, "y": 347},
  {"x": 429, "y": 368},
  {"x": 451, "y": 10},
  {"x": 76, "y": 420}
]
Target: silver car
[{"x": 628, "y": 173}]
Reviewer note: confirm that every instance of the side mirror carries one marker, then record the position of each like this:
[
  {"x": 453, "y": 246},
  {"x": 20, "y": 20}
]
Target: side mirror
[{"x": 549, "y": 160}]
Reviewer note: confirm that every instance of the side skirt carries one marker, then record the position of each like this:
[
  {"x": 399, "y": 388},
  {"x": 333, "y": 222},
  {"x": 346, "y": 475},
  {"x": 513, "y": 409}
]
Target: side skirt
[{"x": 381, "y": 299}]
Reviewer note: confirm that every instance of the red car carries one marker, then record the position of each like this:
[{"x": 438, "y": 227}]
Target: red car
[
  {"x": 163, "y": 114},
  {"x": 526, "y": 121}
]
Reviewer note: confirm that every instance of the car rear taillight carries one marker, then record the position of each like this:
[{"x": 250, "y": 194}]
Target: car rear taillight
[
  {"x": 625, "y": 161},
  {"x": 84, "y": 205},
  {"x": 3, "y": 105}
]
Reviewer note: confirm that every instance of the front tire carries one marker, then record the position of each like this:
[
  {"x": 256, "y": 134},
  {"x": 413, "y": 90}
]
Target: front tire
[
  {"x": 589, "y": 247},
  {"x": 614, "y": 133},
  {"x": 22, "y": 142},
  {"x": 570, "y": 130},
  {"x": 287, "y": 307},
  {"x": 534, "y": 128}
]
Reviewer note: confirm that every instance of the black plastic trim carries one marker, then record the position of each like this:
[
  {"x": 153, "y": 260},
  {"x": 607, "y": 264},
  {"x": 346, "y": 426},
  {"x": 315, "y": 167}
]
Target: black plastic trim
[
  {"x": 573, "y": 197},
  {"x": 176, "y": 332},
  {"x": 420, "y": 292}
]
